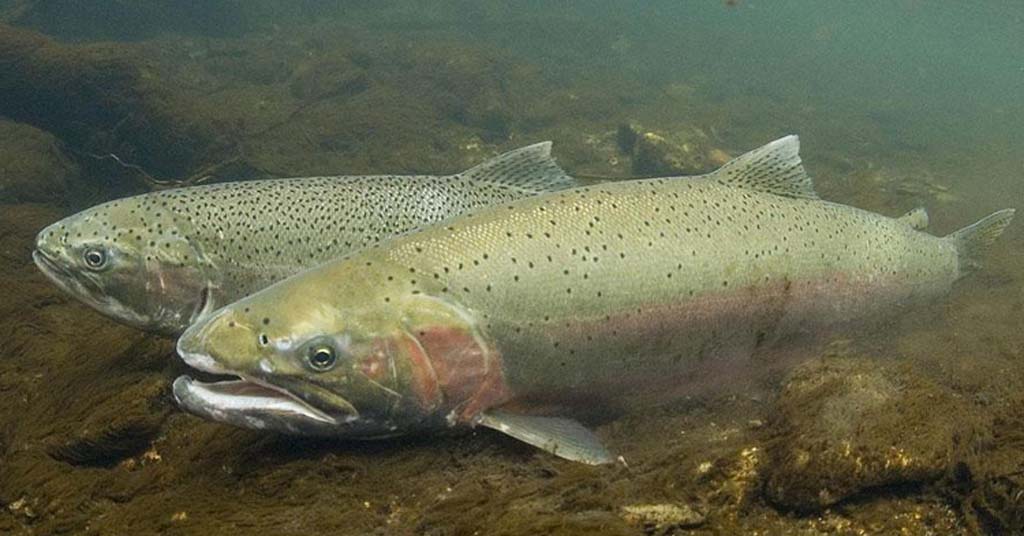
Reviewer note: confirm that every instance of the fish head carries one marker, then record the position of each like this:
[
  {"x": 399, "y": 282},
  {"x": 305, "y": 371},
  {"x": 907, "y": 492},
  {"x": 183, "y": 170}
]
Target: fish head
[
  {"x": 130, "y": 261},
  {"x": 340, "y": 350}
]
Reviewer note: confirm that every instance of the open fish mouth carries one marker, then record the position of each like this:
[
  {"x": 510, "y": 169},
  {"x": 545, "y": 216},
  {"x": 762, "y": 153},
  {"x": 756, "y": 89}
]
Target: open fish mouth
[{"x": 250, "y": 404}]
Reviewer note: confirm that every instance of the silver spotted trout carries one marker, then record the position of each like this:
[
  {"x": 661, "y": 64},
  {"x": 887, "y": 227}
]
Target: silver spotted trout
[
  {"x": 161, "y": 260},
  {"x": 585, "y": 294}
]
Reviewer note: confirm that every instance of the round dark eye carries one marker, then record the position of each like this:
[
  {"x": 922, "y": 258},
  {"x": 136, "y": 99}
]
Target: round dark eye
[
  {"x": 94, "y": 258},
  {"x": 321, "y": 357}
]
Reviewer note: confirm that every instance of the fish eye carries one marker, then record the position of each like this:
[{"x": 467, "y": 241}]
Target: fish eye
[
  {"x": 321, "y": 357},
  {"x": 94, "y": 258}
]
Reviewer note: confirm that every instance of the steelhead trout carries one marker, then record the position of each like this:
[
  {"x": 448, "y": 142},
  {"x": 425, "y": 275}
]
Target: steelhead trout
[
  {"x": 159, "y": 261},
  {"x": 584, "y": 294}
]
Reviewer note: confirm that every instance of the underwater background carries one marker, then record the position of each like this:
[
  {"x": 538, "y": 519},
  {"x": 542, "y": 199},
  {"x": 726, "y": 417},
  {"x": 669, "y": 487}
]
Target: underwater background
[{"x": 913, "y": 427}]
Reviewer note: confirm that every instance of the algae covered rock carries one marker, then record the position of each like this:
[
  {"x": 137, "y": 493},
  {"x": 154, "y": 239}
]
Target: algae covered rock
[
  {"x": 32, "y": 167},
  {"x": 103, "y": 99},
  {"x": 684, "y": 151},
  {"x": 332, "y": 76},
  {"x": 845, "y": 425},
  {"x": 658, "y": 518},
  {"x": 988, "y": 483}
]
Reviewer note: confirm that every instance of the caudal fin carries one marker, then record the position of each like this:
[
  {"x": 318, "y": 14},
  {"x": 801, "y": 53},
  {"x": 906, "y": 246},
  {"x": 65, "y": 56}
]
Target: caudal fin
[{"x": 974, "y": 240}]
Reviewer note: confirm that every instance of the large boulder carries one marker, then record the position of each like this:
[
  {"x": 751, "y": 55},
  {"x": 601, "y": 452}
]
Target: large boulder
[
  {"x": 32, "y": 166},
  {"x": 845, "y": 425}
]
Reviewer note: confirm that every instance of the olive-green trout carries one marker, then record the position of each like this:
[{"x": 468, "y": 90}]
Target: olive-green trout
[
  {"x": 159, "y": 261},
  {"x": 585, "y": 294}
]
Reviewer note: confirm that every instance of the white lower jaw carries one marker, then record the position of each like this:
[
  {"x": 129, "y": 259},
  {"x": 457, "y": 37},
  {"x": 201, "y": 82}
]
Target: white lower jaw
[{"x": 225, "y": 399}]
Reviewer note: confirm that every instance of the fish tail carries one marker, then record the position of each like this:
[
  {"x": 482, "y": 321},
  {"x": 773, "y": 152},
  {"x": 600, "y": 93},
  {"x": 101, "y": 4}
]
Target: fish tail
[{"x": 974, "y": 240}]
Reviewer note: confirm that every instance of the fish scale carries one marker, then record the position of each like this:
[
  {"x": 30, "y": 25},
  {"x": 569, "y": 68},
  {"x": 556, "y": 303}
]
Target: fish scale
[{"x": 238, "y": 237}]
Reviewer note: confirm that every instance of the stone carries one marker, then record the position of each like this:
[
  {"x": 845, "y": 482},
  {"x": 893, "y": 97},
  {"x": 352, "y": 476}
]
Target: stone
[
  {"x": 682, "y": 152},
  {"x": 33, "y": 169},
  {"x": 661, "y": 517},
  {"x": 844, "y": 425}
]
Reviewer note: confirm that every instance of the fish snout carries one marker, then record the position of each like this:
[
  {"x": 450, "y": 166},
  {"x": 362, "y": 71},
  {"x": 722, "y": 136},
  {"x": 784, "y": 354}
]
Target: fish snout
[
  {"x": 51, "y": 258},
  {"x": 49, "y": 244},
  {"x": 214, "y": 343}
]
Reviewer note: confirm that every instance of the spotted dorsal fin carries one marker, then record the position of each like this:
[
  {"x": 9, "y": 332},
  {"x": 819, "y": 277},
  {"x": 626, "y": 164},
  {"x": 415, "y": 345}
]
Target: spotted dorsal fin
[
  {"x": 529, "y": 168},
  {"x": 774, "y": 168}
]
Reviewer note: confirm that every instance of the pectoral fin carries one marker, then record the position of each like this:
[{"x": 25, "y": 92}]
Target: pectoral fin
[{"x": 564, "y": 438}]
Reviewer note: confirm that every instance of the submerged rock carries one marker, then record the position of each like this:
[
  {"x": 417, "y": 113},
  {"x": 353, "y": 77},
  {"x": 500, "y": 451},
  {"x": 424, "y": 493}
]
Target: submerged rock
[
  {"x": 333, "y": 76},
  {"x": 32, "y": 167},
  {"x": 684, "y": 151},
  {"x": 657, "y": 518},
  {"x": 104, "y": 99},
  {"x": 845, "y": 425}
]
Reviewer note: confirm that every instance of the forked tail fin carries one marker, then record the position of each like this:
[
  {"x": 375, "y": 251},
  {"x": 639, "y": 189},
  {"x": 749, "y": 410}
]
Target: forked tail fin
[{"x": 974, "y": 240}]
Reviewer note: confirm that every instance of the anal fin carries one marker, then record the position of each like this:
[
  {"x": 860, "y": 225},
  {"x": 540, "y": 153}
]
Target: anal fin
[{"x": 564, "y": 438}]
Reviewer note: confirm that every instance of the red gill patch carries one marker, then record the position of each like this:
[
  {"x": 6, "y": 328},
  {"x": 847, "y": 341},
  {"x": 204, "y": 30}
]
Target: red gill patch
[{"x": 452, "y": 368}]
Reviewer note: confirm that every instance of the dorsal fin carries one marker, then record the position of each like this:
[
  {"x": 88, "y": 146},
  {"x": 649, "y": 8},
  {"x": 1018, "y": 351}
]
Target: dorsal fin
[
  {"x": 916, "y": 218},
  {"x": 528, "y": 168},
  {"x": 774, "y": 168}
]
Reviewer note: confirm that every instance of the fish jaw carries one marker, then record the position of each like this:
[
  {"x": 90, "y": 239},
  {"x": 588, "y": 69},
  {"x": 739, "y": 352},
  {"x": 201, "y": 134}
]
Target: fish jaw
[
  {"x": 247, "y": 404},
  {"x": 88, "y": 292},
  {"x": 261, "y": 395},
  {"x": 246, "y": 401},
  {"x": 160, "y": 286}
]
